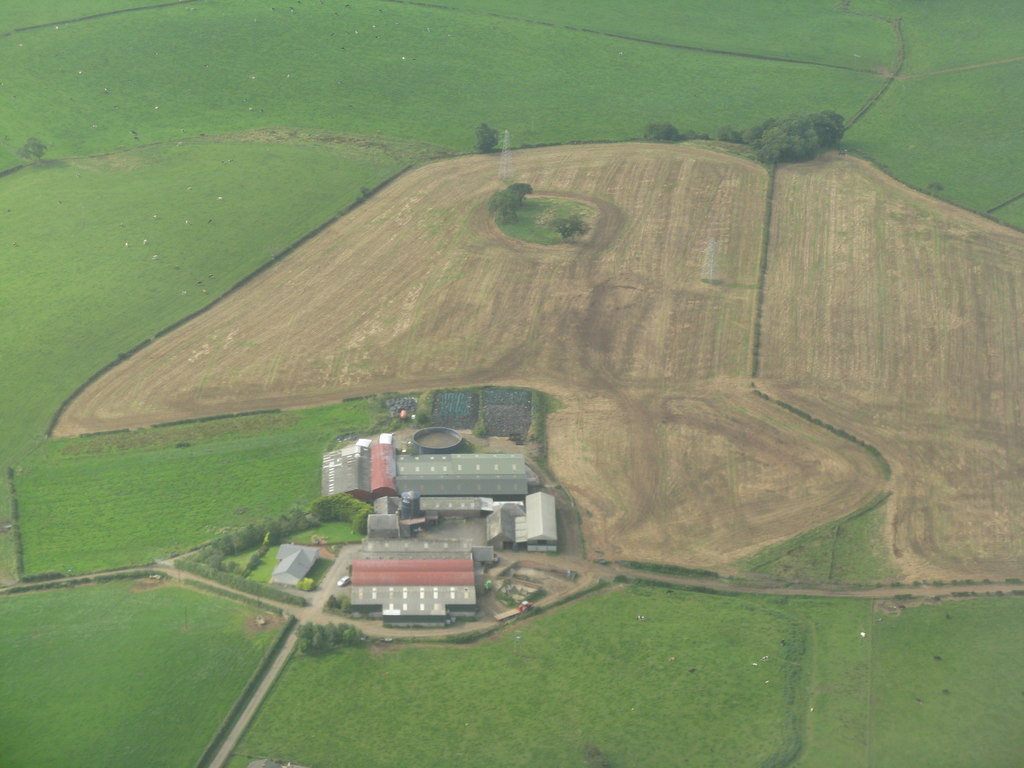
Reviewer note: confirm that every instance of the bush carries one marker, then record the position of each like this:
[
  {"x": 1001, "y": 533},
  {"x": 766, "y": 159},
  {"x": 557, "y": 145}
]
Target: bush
[{"x": 661, "y": 132}]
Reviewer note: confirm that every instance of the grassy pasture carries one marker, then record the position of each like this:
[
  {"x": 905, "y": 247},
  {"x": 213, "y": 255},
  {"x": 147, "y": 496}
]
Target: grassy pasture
[
  {"x": 851, "y": 550},
  {"x": 25, "y": 13},
  {"x": 75, "y": 297},
  {"x": 1013, "y": 213},
  {"x": 100, "y": 502},
  {"x": 978, "y": 645},
  {"x": 942, "y": 34},
  {"x": 591, "y": 673},
  {"x": 926, "y": 130},
  {"x": 588, "y": 674},
  {"x": 99, "y": 671},
  {"x": 815, "y": 31},
  {"x": 536, "y": 215},
  {"x": 182, "y": 73}
]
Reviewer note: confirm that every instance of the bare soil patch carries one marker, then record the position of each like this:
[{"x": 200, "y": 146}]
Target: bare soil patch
[{"x": 909, "y": 334}]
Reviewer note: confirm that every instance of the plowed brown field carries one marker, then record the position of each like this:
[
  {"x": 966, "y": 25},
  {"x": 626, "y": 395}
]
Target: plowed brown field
[
  {"x": 908, "y": 333},
  {"x": 886, "y": 314},
  {"x": 669, "y": 454}
]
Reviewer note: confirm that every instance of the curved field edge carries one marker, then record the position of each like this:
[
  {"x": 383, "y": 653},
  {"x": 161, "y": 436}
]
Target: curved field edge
[
  {"x": 98, "y": 670},
  {"x": 909, "y": 336},
  {"x": 112, "y": 249}
]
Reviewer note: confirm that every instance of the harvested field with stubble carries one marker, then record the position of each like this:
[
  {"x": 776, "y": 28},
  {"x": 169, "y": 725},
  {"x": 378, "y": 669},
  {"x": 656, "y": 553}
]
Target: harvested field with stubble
[
  {"x": 909, "y": 335},
  {"x": 671, "y": 456}
]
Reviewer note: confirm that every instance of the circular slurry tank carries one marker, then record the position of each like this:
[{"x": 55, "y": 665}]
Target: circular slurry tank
[{"x": 437, "y": 440}]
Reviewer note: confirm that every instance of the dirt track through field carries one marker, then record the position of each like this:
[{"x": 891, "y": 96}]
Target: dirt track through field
[{"x": 878, "y": 318}]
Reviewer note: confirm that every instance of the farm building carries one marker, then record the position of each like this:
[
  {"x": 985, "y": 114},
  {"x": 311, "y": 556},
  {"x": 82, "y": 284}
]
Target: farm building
[
  {"x": 532, "y": 526},
  {"x": 501, "y": 524},
  {"x": 347, "y": 471},
  {"x": 414, "y": 592},
  {"x": 541, "y": 523},
  {"x": 293, "y": 563},
  {"x": 383, "y": 526},
  {"x": 494, "y": 475},
  {"x": 415, "y": 549},
  {"x": 387, "y": 505},
  {"x": 382, "y": 472},
  {"x": 455, "y": 506}
]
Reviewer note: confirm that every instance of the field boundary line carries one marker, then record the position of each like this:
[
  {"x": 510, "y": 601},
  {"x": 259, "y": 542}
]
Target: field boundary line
[
  {"x": 762, "y": 270},
  {"x": 630, "y": 39},
  {"x": 964, "y": 68},
  {"x": 15, "y": 533},
  {"x": 92, "y": 16},
  {"x": 894, "y": 72},
  {"x": 239, "y": 716},
  {"x": 876, "y": 454},
  {"x": 1013, "y": 199}
]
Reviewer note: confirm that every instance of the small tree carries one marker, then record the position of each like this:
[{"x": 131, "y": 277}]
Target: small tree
[
  {"x": 32, "y": 150},
  {"x": 306, "y": 584},
  {"x": 486, "y": 138},
  {"x": 570, "y": 227}
]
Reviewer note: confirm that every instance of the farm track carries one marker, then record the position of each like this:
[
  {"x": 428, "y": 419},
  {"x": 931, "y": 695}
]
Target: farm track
[{"x": 669, "y": 456}]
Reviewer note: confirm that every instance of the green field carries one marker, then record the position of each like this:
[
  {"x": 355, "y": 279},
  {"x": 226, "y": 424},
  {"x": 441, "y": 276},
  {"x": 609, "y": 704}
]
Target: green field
[
  {"x": 849, "y": 550},
  {"x": 99, "y": 502},
  {"x": 536, "y": 215},
  {"x": 75, "y": 296},
  {"x": 926, "y": 131},
  {"x": 95, "y": 675},
  {"x": 590, "y": 674}
]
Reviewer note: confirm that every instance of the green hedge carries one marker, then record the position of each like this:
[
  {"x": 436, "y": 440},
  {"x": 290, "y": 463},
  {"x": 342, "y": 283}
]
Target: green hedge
[
  {"x": 237, "y": 582},
  {"x": 240, "y": 703}
]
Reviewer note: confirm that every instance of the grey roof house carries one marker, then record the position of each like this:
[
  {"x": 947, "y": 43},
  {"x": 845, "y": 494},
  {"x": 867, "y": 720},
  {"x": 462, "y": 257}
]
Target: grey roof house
[{"x": 293, "y": 563}]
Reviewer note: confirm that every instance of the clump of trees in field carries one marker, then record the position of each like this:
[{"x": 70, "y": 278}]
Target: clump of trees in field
[
  {"x": 321, "y": 638},
  {"x": 505, "y": 205},
  {"x": 570, "y": 227},
  {"x": 791, "y": 139}
]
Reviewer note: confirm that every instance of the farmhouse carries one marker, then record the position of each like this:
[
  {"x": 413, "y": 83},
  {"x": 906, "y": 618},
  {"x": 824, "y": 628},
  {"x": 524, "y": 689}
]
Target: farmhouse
[
  {"x": 293, "y": 563},
  {"x": 414, "y": 592},
  {"x": 493, "y": 475}
]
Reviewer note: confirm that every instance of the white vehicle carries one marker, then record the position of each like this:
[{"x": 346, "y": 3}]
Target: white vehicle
[{"x": 344, "y": 581}]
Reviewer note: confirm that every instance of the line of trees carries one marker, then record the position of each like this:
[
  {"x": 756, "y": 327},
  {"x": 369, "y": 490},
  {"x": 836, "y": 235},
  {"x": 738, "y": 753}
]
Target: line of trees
[{"x": 321, "y": 638}]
